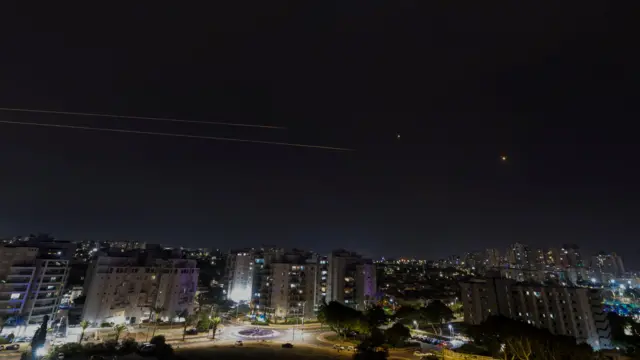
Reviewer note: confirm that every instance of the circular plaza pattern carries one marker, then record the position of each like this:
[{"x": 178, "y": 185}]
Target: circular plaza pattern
[{"x": 257, "y": 333}]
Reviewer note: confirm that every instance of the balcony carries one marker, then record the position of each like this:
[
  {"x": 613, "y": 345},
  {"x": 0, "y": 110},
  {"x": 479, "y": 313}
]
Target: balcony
[
  {"x": 21, "y": 273},
  {"x": 6, "y": 300},
  {"x": 13, "y": 289},
  {"x": 37, "y": 306},
  {"x": 18, "y": 280}
]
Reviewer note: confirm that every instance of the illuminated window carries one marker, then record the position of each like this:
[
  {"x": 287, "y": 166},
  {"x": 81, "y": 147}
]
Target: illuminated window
[{"x": 15, "y": 296}]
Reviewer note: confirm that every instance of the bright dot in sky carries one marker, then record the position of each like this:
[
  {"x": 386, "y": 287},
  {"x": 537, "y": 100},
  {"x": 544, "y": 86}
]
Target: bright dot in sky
[
  {"x": 397, "y": 136},
  {"x": 503, "y": 158}
]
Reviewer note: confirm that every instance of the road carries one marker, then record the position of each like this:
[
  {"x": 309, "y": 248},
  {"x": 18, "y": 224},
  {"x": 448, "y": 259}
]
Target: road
[{"x": 312, "y": 338}]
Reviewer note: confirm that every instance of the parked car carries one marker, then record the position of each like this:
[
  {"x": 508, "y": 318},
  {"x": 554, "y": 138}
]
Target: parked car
[
  {"x": 287, "y": 345},
  {"x": 12, "y": 347},
  {"x": 239, "y": 343},
  {"x": 193, "y": 331},
  {"x": 147, "y": 348},
  {"x": 351, "y": 348}
]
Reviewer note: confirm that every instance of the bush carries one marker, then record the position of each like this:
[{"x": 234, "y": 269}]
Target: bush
[
  {"x": 94, "y": 349},
  {"x": 203, "y": 325},
  {"x": 70, "y": 349},
  {"x": 129, "y": 346},
  {"x": 158, "y": 340},
  {"x": 163, "y": 350},
  {"x": 110, "y": 346},
  {"x": 4, "y": 340}
]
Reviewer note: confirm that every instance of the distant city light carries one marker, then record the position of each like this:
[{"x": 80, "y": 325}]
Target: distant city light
[{"x": 239, "y": 294}]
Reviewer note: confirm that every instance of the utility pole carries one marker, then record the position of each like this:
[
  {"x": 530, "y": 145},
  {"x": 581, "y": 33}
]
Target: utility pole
[
  {"x": 293, "y": 333},
  {"x": 304, "y": 303}
]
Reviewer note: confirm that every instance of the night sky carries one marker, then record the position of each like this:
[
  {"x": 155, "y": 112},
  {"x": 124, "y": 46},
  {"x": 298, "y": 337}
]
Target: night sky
[{"x": 549, "y": 86}]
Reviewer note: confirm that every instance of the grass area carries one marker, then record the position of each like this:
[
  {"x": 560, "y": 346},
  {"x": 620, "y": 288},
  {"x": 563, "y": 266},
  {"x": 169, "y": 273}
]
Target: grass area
[
  {"x": 336, "y": 338},
  {"x": 257, "y": 352}
]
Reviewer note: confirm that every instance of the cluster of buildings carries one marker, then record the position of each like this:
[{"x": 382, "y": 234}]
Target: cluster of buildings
[
  {"x": 281, "y": 283},
  {"x": 565, "y": 264},
  {"x": 119, "y": 284},
  {"x": 125, "y": 282}
]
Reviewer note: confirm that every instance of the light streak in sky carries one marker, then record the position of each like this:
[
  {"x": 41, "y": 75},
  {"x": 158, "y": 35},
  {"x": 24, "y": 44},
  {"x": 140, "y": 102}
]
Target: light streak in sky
[
  {"x": 140, "y": 118},
  {"x": 137, "y": 132}
]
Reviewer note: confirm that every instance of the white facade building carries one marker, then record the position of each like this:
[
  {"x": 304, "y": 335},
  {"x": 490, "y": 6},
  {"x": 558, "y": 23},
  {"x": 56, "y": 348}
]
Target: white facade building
[
  {"x": 124, "y": 289},
  {"x": 570, "y": 311},
  {"x": 239, "y": 275}
]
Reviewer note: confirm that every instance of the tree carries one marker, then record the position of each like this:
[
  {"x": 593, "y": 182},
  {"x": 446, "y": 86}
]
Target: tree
[
  {"x": 397, "y": 334},
  {"x": 118, "y": 330},
  {"x": 408, "y": 313},
  {"x": 162, "y": 350},
  {"x": 620, "y": 328},
  {"x": 376, "y": 317},
  {"x": 214, "y": 326},
  {"x": 515, "y": 340},
  {"x": 438, "y": 312},
  {"x": 189, "y": 319},
  {"x": 343, "y": 319},
  {"x": 322, "y": 313},
  {"x": 157, "y": 310},
  {"x": 39, "y": 337},
  {"x": 3, "y": 321},
  {"x": 371, "y": 347},
  {"x": 84, "y": 324}
]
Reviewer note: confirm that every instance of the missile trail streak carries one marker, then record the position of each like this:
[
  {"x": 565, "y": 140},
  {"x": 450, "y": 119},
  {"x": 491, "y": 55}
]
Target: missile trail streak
[
  {"x": 140, "y": 118},
  {"x": 175, "y": 135}
]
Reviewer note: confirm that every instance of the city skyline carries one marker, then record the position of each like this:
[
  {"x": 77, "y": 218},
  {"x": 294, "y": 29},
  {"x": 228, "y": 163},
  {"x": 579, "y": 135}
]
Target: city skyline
[{"x": 469, "y": 132}]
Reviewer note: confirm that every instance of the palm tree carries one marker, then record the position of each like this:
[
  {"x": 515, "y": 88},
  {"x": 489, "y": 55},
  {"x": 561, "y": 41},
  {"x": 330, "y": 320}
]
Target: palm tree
[
  {"x": 119, "y": 329},
  {"x": 214, "y": 326},
  {"x": 188, "y": 320},
  {"x": 84, "y": 324},
  {"x": 156, "y": 310}
]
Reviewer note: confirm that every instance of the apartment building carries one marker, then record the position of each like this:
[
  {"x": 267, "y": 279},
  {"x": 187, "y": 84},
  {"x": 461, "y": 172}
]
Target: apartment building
[
  {"x": 125, "y": 289},
  {"x": 33, "y": 276},
  {"x": 239, "y": 274},
  {"x": 607, "y": 265},
  {"x": 570, "y": 311},
  {"x": 293, "y": 289},
  {"x": 351, "y": 279}
]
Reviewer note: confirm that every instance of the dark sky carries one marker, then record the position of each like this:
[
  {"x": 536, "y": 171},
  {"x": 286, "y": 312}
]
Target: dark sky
[{"x": 551, "y": 86}]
